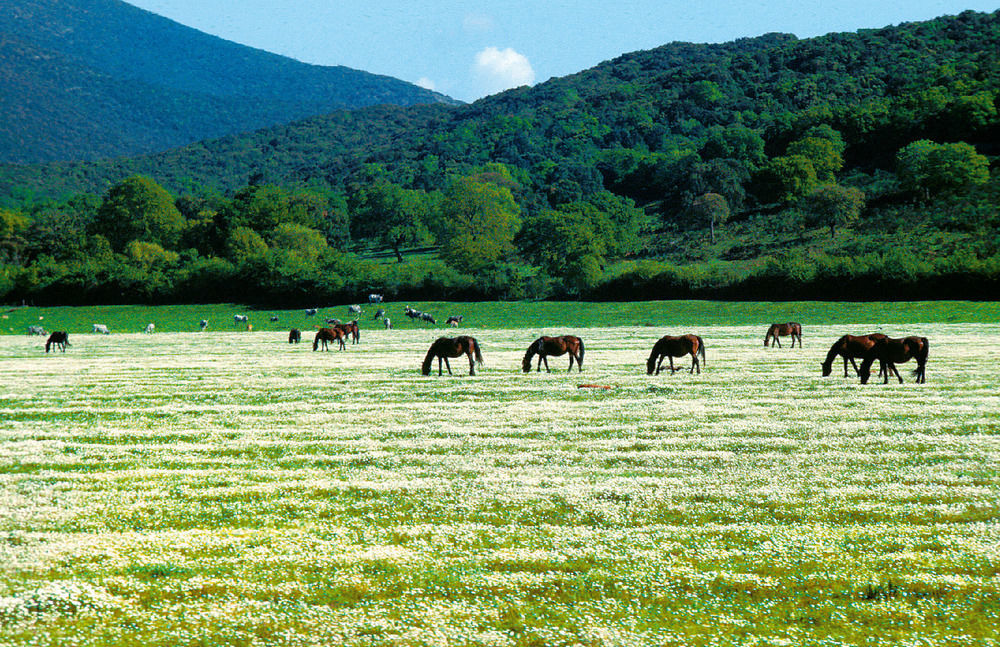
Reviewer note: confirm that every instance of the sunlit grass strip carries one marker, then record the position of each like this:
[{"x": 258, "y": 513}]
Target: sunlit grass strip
[{"x": 232, "y": 489}]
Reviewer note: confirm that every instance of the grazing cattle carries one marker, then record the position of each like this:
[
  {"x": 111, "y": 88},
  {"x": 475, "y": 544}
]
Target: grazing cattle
[
  {"x": 149, "y": 329},
  {"x": 851, "y": 347},
  {"x": 332, "y": 322},
  {"x": 426, "y": 316},
  {"x": 102, "y": 329},
  {"x": 446, "y": 347},
  {"x": 294, "y": 336},
  {"x": 240, "y": 319},
  {"x": 374, "y": 298},
  {"x": 354, "y": 310},
  {"x": 453, "y": 321},
  {"x": 555, "y": 346},
  {"x": 58, "y": 338},
  {"x": 326, "y": 335},
  {"x": 387, "y": 322},
  {"x": 37, "y": 330},
  {"x": 379, "y": 314},
  {"x": 411, "y": 312},
  {"x": 783, "y": 330},
  {"x": 273, "y": 319},
  {"x": 203, "y": 324},
  {"x": 896, "y": 351},
  {"x": 671, "y": 347},
  {"x": 311, "y": 311}
]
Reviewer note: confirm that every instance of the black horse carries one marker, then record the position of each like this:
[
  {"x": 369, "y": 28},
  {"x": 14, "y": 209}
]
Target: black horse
[
  {"x": 294, "y": 336},
  {"x": 896, "y": 351},
  {"x": 58, "y": 338},
  {"x": 446, "y": 347}
]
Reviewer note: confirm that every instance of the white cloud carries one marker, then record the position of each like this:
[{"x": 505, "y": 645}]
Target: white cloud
[
  {"x": 501, "y": 69},
  {"x": 426, "y": 83}
]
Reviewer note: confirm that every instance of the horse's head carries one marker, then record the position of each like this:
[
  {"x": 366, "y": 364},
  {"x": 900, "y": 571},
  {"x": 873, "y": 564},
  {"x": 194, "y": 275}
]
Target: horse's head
[
  {"x": 827, "y": 368},
  {"x": 865, "y": 372},
  {"x": 651, "y": 364}
]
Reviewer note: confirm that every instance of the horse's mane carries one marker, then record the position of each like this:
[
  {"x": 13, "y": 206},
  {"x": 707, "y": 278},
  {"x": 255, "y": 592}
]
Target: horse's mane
[
  {"x": 425, "y": 368},
  {"x": 528, "y": 355},
  {"x": 834, "y": 351}
]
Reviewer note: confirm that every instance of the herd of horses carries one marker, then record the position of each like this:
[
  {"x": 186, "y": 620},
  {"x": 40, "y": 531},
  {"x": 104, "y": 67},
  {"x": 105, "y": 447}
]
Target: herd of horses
[{"x": 870, "y": 348}]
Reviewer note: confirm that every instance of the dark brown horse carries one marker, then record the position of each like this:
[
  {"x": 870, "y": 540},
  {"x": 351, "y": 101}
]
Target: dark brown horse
[
  {"x": 896, "y": 351},
  {"x": 555, "y": 346},
  {"x": 58, "y": 338},
  {"x": 326, "y": 335},
  {"x": 671, "y": 347},
  {"x": 350, "y": 330},
  {"x": 784, "y": 330},
  {"x": 294, "y": 336},
  {"x": 446, "y": 347},
  {"x": 851, "y": 347}
]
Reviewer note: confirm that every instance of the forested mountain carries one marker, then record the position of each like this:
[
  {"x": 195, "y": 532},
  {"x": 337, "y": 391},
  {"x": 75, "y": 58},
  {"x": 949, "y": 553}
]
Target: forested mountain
[
  {"x": 84, "y": 79},
  {"x": 850, "y": 165}
]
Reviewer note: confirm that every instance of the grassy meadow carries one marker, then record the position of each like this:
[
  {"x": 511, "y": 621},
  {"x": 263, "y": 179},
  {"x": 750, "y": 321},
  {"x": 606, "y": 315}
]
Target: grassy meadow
[{"x": 227, "y": 488}]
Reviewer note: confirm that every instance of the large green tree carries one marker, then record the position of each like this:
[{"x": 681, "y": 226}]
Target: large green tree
[
  {"x": 832, "y": 205},
  {"x": 478, "y": 223},
  {"x": 391, "y": 215},
  {"x": 927, "y": 168},
  {"x": 138, "y": 208}
]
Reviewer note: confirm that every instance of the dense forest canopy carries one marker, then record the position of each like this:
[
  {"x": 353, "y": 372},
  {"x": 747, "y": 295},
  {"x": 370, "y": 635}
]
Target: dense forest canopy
[{"x": 857, "y": 165}]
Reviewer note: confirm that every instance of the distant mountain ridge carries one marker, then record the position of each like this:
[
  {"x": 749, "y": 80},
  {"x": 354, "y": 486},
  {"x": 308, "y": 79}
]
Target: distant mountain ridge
[{"x": 86, "y": 79}]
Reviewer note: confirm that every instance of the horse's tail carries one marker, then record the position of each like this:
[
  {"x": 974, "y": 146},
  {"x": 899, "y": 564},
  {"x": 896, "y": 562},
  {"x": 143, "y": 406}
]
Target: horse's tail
[
  {"x": 425, "y": 368},
  {"x": 921, "y": 356},
  {"x": 579, "y": 360},
  {"x": 479, "y": 354},
  {"x": 701, "y": 351},
  {"x": 528, "y": 355}
]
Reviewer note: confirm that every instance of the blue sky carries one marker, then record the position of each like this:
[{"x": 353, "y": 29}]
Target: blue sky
[{"x": 468, "y": 50}]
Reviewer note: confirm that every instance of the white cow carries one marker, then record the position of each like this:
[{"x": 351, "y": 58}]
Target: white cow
[
  {"x": 150, "y": 329},
  {"x": 203, "y": 324},
  {"x": 240, "y": 319},
  {"x": 102, "y": 329}
]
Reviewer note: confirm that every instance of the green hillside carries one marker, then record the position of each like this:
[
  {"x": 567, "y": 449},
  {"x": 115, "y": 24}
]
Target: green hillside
[
  {"x": 850, "y": 166},
  {"x": 85, "y": 79}
]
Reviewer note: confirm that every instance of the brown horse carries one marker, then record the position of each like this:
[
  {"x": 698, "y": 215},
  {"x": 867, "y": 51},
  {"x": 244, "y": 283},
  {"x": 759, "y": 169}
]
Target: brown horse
[
  {"x": 446, "y": 347},
  {"x": 327, "y": 335},
  {"x": 350, "y": 330},
  {"x": 58, "y": 338},
  {"x": 851, "y": 347},
  {"x": 555, "y": 346},
  {"x": 783, "y": 330},
  {"x": 294, "y": 336},
  {"x": 671, "y": 347},
  {"x": 896, "y": 351}
]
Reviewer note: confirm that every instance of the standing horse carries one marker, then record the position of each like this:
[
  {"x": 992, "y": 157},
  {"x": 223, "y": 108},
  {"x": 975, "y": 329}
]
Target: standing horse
[
  {"x": 783, "y": 330},
  {"x": 671, "y": 347},
  {"x": 851, "y": 347},
  {"x": 58, "y": 338},
  {"x": 896, "y": 351},
  {"x": 351, "y": 330},
  {"x": 294, "y": 336},
  {"x": 446, "y": 347},
  {"x": 555, "y": 346},
  {"x": 327, "y": 335}
]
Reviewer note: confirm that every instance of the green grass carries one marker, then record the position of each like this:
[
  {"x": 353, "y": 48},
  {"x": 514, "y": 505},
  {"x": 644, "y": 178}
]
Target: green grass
[
  {"x": 528, "y": 315},
  {"x": 231, "y": 489}
]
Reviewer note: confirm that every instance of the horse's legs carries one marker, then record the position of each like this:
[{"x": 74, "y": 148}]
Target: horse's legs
[
  {"x": 896, "y": 371},
  {"x": 545, "y": 358},
  {"x": 854, "y": 364},
  {"x": 672, "y": 369},
  {"x": 472, "y": 365},
  {"x": 777, "y": 341},
  {"x": 448, "y": 364},
  {"x": 659, "y": 365},
  {"x": 695, "y": 363}
]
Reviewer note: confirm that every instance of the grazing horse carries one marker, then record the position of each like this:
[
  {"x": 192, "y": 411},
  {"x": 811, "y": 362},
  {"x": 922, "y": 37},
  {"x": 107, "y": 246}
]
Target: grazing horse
[
  {"x": 896, "y": 351},
  {"x": 446, "y": 347},
  {"x": 240, "y": 319},
  {"x": 784, "y": 330},
  {"x": 58, "y": 338},
  {"x": 454, "y": 320},
  {"x": 327, "y": 335},
  {"x": 102, "y": 329},
  {"x": 555, "y": 346},
  {"x": 294, "y": 336},
  {"x": 851, "y": 347},
  {"x": 350, "y": 330},
  {"x": 671, "y": 347}
]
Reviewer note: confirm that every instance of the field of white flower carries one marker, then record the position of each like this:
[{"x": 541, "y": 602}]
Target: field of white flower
[{"x": 232, "y": 489}]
